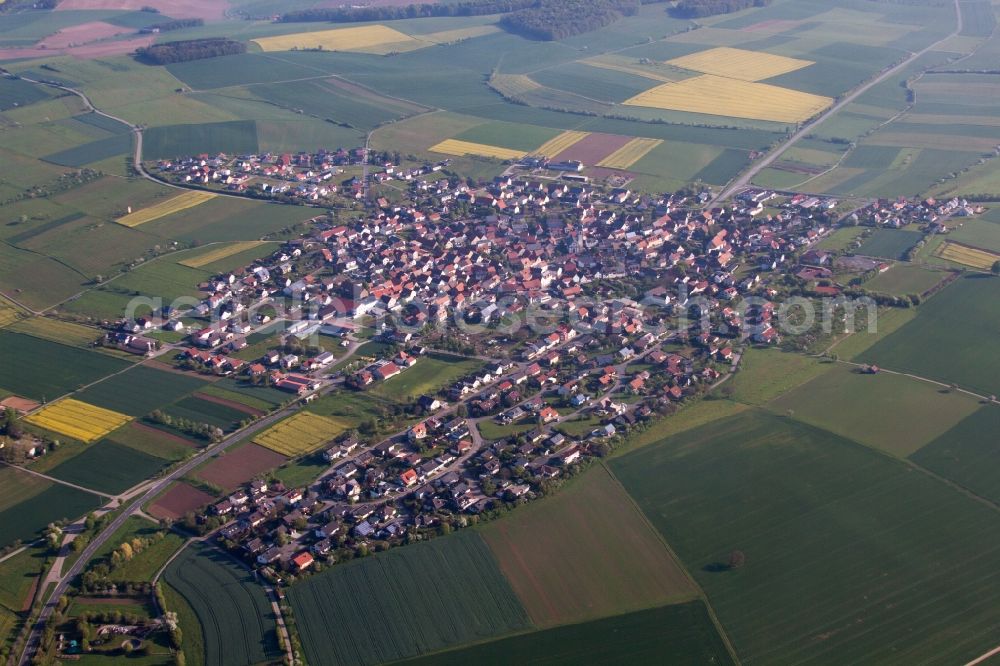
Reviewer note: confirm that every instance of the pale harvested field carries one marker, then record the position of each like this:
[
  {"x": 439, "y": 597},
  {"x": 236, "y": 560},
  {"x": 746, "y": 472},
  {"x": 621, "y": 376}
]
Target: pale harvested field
[
  {"x": 168, "y": 207},
  {"x": 629, "y": 154},
  {"x": 721, "y": 96},
  {"x": 944, "y": 119},
  {"x": 513, "y": 85},
  {"x": 629, "y": 66},
  {"x": 206, "y": 9},
  {"x": 739, "y": 63},
  {"x": 82, "y": 34},
  {"x": 967, "y": 255},
  {"x": 973, "y": 144},
  {"x": 78, "y": 420},
  {"x": 554, "y": 146},
  {"x": 341, "y": 39},
  {"x": 463, "y": 148},
  {"x": 218, "y": 253},
  {"x": 459, "y": 34}
]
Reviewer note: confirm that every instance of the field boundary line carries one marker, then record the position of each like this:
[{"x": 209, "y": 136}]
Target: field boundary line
[
  {"x": 59, "y": 481},
  {"x": 701, "y": 592}
]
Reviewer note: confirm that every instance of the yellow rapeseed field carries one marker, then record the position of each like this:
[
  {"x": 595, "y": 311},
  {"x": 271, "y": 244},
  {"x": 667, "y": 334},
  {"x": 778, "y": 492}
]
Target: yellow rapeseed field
[
  {"x": 967, "y": 256},
  {"x": 342, "y": 39},
  {"x": 169, "y": 207},
  {"x": 301, "y": 433},
  {"x": 462, "y": 148},
  {"x": 221, "y": 252},
  {"x": 739, "y": 63},
  {"x": 629, "y": 154},
  {"x": 556, "y": 145},
  {"x": 78, "y": 420},
  {"x": 721, "y": 96}
]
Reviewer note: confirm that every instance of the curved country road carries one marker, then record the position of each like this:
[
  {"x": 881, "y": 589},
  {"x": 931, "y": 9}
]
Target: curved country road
[{"x": 743, "y": 180}]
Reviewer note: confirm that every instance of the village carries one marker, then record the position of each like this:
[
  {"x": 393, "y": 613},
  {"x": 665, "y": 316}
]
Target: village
[{"x": 592, "y": 310}]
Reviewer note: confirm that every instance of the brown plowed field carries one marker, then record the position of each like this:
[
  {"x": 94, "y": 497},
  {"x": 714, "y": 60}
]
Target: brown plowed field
[
  {"x": 238, "y": 406},
  {"x": 177, "y": 501},
  {"x": 237, "y": 467},
  {"x": 210, "y": 10},
  {"x": 592, "y": 149}
]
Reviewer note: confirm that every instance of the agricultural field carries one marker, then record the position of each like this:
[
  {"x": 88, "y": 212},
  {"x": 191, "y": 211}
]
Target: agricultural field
[
  {"x": 973, "y": 257},
  {"x": 585, "y": 553},
  {"x": 818, "y": 513},
  {"x": 172, "y": 141},
  {"x": 765, "y": 374},
  {"x": 178, "y": 500},
  {"x": 9, "y": 313},
  {"x": 717, "y": 95},
  {"x": 248, "y": 401},
  {"x": 301, "y": 433},
  {"x": 561, "y": 143},
  {"x": 370, "y": 38},
  {"x": 515, "y": 136},
  {"x": 903, "y": 279},
  {"x": 79, "y": 420},
  {"x": 431, "y": 374},
  {"x": 56, "y": 331},
  {"x": 404, "y": 602},
  {"x": 240, "y": 466},
  {"x": 739, "y": 63},
  {"x": 153, "y": 441},
  {"x": 679, "y": 634},
  {"x": 194, "y": 638},
  {"x": 203, "y": 259},
  {"x": 235, "y": 616},
  {"x": 225, "y": 219},
  {"x": 27, "y": 519},
  {"x": 144, "y": 565},
  {"x": 629, "y": 154},
  {"x": 889, "y": 243},
  {"x": 464, "y": 148},
  {"x": 893, "y": 413},
  {"x": 140, "y": 390},
  {"x": 948, "y": 339},
  {"x": 171, "y": 206},
  {"x": 17, "y": 486},
  {"x": 17, "y": 580},
  {"x": 967, "y": 453},
  {"x": 213, "y": 412},
  {"x": 109, "y": 467}
]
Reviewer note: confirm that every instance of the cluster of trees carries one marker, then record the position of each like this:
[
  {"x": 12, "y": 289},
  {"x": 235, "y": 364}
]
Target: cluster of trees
[
  {"x": 698, "y": 8},
  {"x": 190, "y": 49},
  {"x": 200, "y": 430},
  {"x": 558, "y": 19},
  {"x": 10, "y": 425},
  {"x": 177, "y": 24},
  {"x": 416, "y": 10}
]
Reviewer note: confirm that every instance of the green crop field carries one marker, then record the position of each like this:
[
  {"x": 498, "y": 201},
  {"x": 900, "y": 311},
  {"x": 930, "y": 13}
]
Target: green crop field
[
  {"x": 194, "y": 637},
  {"x": 431, "y": 374},
  {"x": 250, "y": 401},
  {"x": 38, "y": 369},
  {"x": 585, "y": 553},
  {"x": 235, "y": 617},
  {"x": 967, "y": 454},
  {"x": 904, "y": 279},
  {"x": 983, "y": 232},
  {"x": 17, "y": 486},
  {"x": 57, "y": 331},
  {"x": 203, "y": 411},
  {"x": 16, "y": 93},
  {"x": 901, "y": 562},
  {"x": 26, "y": 520},
  {"x": 95, "y": 151},
  {"x": 405, "y": 602},
  {"x": 594, "y": 82},
  {"x": 767, "y": 373},
  {"x": 141, "y": 390},
  {"x": 172, "y": 141},
  {"x": 227, "y": 219},
  {"x": 681, "y": 634},
  {"x": 152, "y": 441},
  {"x": 509, "y": 135},
  {"x": 17, "y": 576},
  {"x": 109, "y": 467},
  {"x": 891, "y": 412},
  {"x": 262, "y": 394},
  {"x": 889, "y": 243},
  {"x": 950, "y": 338}
]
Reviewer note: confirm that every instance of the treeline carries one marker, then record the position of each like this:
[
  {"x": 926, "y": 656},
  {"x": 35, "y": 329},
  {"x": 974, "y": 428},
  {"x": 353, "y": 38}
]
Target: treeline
[
  {"x": 177, "y": 24},
  {"x": 416, "y": 10},
  {"x": 191, "y": 49},
  {"x": 698, "y": 8},
  {"x": 558, "y": 19}
]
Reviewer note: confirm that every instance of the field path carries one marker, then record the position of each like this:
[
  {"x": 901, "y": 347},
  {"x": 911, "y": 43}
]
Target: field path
[
  {"x": 59, "y": 481},
  {"x": 743, "y": 180}
]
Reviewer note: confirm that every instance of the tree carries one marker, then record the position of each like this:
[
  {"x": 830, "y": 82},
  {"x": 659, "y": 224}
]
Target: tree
[
  {"x": 737, "y": 559},
  {"x": 996, "y": 268}
]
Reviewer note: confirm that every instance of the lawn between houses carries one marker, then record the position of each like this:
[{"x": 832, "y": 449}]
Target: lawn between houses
[
  {"x": 819, "y": 513},
  {"x": 432, "y": 373}
]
